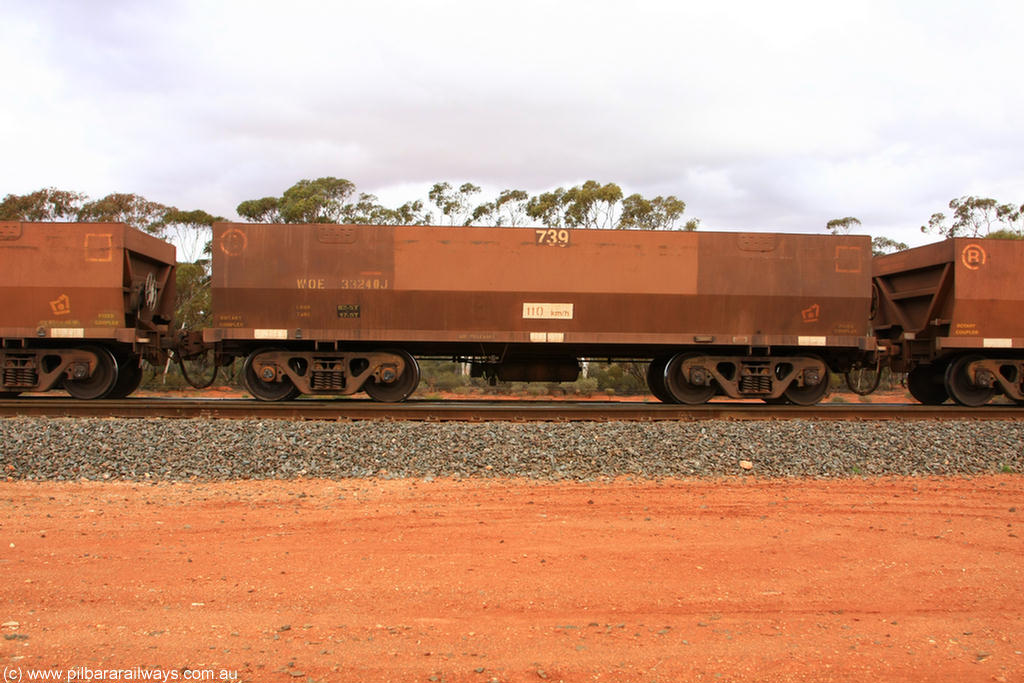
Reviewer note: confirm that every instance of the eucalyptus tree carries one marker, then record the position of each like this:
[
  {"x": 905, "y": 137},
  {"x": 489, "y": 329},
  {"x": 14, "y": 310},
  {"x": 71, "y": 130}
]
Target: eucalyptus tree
[
  {"x": 548, "y": 208},
  {"x": 978, "y": 217},
  {"x": 191, "y": 231},
  {"x": 47, "y": 204},
  {"x": 454, "y": 204},
  {"x": 842, "y": 226},
  {"x": 659, "y": 213},
  {"x": 592, "y": 205},
  {"x": 886, "y": 245}
]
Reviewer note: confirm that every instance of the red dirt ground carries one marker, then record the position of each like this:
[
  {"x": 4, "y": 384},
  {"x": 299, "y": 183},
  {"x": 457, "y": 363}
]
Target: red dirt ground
[{"x": 482, "y": 580}]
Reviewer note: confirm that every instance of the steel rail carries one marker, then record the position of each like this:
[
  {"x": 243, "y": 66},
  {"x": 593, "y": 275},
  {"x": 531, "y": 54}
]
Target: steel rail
[{"x": 484, "y": 411}]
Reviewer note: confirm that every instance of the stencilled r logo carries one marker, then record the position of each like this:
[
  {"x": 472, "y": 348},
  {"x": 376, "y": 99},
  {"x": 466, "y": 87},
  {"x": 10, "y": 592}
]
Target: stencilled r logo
[{"x": 973, "y": 256}]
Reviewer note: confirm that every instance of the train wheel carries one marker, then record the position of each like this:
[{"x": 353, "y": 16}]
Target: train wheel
[
  {"x": 400, "y": 387},
  {"x": 809, "y": 394},
  {"x": 656, "y": 380},
  {"x": 102, "y": 380},
  {"x": 926, "y": 384},
  {"x": 129, "y": 377},
  {"x": 960, "y": 386},
  {"x": 266, "y": 390},
  {"x": 679, "y": 388}
]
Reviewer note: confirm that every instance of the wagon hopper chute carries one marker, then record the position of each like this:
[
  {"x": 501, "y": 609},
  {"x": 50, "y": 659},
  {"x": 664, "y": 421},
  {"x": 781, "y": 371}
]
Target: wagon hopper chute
[
  {"x": 83, "y": 303},
  {"x": 951, "y": 315}
]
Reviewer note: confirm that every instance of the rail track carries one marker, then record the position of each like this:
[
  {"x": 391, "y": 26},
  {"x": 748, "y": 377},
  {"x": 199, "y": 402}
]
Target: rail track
[{"x": 483, "y": 411}]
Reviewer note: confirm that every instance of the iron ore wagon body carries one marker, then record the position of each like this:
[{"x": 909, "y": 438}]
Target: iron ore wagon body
[
  {"x": 335, "y": 309},
  {"x": 951, "y": 314},
  {"x": 82, "y": 303}
]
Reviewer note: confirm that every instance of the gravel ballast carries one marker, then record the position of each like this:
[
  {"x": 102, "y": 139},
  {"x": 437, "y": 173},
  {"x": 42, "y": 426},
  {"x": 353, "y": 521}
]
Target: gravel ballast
[{"x": 58, "y": 449}]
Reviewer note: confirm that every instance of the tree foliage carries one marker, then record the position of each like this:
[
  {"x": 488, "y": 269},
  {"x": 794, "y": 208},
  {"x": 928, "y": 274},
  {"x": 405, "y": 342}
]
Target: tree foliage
[
  {"x": 192, "y": 231},
  {"x": 262, "y": 210},
  {"x": 879, "y": 245},
  {"x": 510, "y": 207},
  {"x": 368, "y": 210},
  {"x": 978, "y": 217},
  {"x": 548, "y": 208},
  {"x": 133, "y": 209},
  {"x": 886, "y": 245},
  {"x": 51, "y": 204},
  {"x": 660, "y": 213},
  {"x": 588, "y": 205},
  {"x": 453, "y": 203},
  {"x": 842, "y": 226},
  {"x": 327, "y": 200},
  {"x": 316, "y": 201},
  {"x": 592, "y": 205},
  {"x": 192, "y": 308},
  {"x": 1006, "y": 234},
  {"x": 410, "y": 213},
  {"x": 191, "y": 219},
  {"x": 48, "y": 204}
]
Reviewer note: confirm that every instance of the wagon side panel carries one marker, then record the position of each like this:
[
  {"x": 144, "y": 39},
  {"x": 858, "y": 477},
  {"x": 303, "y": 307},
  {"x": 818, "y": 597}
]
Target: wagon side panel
[
  {"x": 435, "y": 285},
  {"x": 61, "y": 276}
]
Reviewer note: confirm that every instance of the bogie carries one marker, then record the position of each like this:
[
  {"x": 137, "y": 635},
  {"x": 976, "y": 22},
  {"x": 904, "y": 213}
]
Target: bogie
[
  {"x": 694, "y": 378},
  {"x": 277, "y": 374}
]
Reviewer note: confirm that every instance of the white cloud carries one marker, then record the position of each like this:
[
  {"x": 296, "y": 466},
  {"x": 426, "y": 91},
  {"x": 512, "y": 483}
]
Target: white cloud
[{"x": 758, "y": 115}]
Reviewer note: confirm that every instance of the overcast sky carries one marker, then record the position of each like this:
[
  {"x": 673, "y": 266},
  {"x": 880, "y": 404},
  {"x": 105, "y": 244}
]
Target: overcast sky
[{"x": 759, "y": 115}]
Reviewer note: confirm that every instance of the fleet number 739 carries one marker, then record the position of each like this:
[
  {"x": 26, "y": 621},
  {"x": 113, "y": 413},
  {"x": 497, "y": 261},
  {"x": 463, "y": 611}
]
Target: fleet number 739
[{"x": 552, "y": 237}]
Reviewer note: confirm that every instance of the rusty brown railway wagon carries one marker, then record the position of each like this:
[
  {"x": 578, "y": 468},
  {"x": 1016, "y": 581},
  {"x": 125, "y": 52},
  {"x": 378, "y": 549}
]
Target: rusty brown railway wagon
[
  {"x": 82, "y": 304},
  {"x": 335, "y": 309},
  {"x": 951, "y": 314}
]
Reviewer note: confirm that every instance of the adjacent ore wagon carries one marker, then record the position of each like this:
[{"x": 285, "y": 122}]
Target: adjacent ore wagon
[
  {"x": 335, "y": 309},
  {"x": 82, "y": 304},
  {"x": 951, "y": 314}
]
